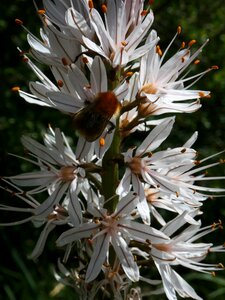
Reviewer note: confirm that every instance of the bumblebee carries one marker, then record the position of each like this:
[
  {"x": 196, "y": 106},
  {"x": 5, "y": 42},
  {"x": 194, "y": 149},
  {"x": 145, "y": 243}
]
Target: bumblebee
[{"x": 91, "y": 120}]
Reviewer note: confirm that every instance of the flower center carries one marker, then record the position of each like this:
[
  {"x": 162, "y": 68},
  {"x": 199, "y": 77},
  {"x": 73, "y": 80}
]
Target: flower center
[
  {"x": 135, "y": 165},
  {"x": 67, "y": 173},
  {"x": 149, "y": 88}
]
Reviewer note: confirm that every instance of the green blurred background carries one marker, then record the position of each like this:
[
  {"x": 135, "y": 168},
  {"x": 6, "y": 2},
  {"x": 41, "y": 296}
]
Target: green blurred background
[{"x": 23, "y": 279}]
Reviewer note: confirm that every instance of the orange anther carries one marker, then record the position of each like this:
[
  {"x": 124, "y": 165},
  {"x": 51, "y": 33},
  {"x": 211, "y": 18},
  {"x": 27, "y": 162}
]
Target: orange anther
[
  {"x": 144, "y": 12},
  {"x": 60, "y": 83},
  {"x": 41, "y": 11},
  {"x": 15, "y": 89},
  {"x": 158, "y": 50},
  {"x": 197, "y": 61},
  {"x": 179, "y": 29},
  {"x": 19, "y": 22},
  {"x": 192, "y": 42},
  {"x": 101, "y": 142},
  {"x": 90, "y": 4},
  {"x": 104, "y": 8}
]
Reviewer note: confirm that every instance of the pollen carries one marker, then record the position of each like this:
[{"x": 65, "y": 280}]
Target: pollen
[
  {"x": 18, "y": 22},
  {"x": 15, "y": 89}
]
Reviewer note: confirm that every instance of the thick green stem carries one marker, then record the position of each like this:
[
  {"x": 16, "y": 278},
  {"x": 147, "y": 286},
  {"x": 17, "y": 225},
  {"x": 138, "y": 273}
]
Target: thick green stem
[{"x": 110, "y": 172}]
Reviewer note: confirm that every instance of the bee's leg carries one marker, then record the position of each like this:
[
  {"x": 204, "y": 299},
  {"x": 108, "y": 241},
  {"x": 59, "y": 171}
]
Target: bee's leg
[{"x": 111, "y": 126}]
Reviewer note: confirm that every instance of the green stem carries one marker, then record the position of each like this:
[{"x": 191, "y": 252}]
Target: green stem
[{"x": 110, "y": 172}]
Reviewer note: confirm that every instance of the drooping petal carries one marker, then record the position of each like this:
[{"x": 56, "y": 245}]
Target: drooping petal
[
  {"x": 126, "y": 258},
  {"x": 156, "y": 137},
  {"x": 101, "y": 245}
]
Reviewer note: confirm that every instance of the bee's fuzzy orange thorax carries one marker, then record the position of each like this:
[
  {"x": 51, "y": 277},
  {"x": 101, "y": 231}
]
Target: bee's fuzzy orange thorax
[{"x": 107, "y": 104}]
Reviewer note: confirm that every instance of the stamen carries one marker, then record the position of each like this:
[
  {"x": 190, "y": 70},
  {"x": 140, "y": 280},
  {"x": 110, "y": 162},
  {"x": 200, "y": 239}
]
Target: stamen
[
  {"x": 15, "y": 89},
  {"x": 65, "y": 61},
  {"x": 129, "y": 74},
  {"x": 192, "y": 42},
  {"x": 41, "y": 11},
  {"x": 183, "y": 44},
  {"x": 25, "y": 59},
  {"x": 144, "y": 12},
  {"x": 101, "y": 142},
  {"x": 197, "y": 61},
  {"x": 104, "y": 8},
  {"x": 60, "y": 83},
  {"x": 85, "y": 60},
  {"x": 179, "y": 29},
  {"x": 158, "y": 50},
  {"x": 123, "y": 43},
  {"x": 18, "y": 22},
  {"x": 90, "y": 4},
  {"x": 214, "y": 68}
]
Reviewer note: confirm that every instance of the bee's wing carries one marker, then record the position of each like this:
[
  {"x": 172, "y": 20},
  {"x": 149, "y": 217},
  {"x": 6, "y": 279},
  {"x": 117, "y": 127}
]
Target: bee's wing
[{"x": 89, "y": 123}]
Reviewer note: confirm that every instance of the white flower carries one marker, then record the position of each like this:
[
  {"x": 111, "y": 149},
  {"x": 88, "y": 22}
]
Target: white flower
[
  {"x": 164, "y": 85},
  {"x": 60, "y": 174},
  {"x": 73, "y": 94},
  {"x": 171, "y": 171},
  {"x": 181, "y": 250},
  {"x": 125, "y": 25},
  {"x": 117, "y": 229}
]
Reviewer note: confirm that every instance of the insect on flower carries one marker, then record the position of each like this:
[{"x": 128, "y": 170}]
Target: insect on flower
[{"x": 91, "y": 120}]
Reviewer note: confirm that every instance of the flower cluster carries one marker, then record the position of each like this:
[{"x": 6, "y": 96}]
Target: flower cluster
[{"x": 124, "y": 209}]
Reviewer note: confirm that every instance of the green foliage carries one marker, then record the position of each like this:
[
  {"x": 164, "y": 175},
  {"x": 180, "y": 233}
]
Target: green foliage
[{"x": 23, "y": 279}]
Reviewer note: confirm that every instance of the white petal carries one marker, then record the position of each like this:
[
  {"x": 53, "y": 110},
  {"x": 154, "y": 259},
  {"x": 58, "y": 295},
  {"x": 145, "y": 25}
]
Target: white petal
[
  {"x": 126, "y": 258},
  {"x": 126, "y": 204},
  {"x": 39, "y": 247},
  {"x": 74, "y": 234},
  {"x": 74, "y": 208},
  {"x": 142, "y": 232},
  {"x": 34, "y": 178},
  {"x": 98, "y": 76},
  {"x": 64, "y": 102},
  {"x": 156, "y": 137},
  {"x": 47, "y": 207},
  {"x": 98, "y": 257}
]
